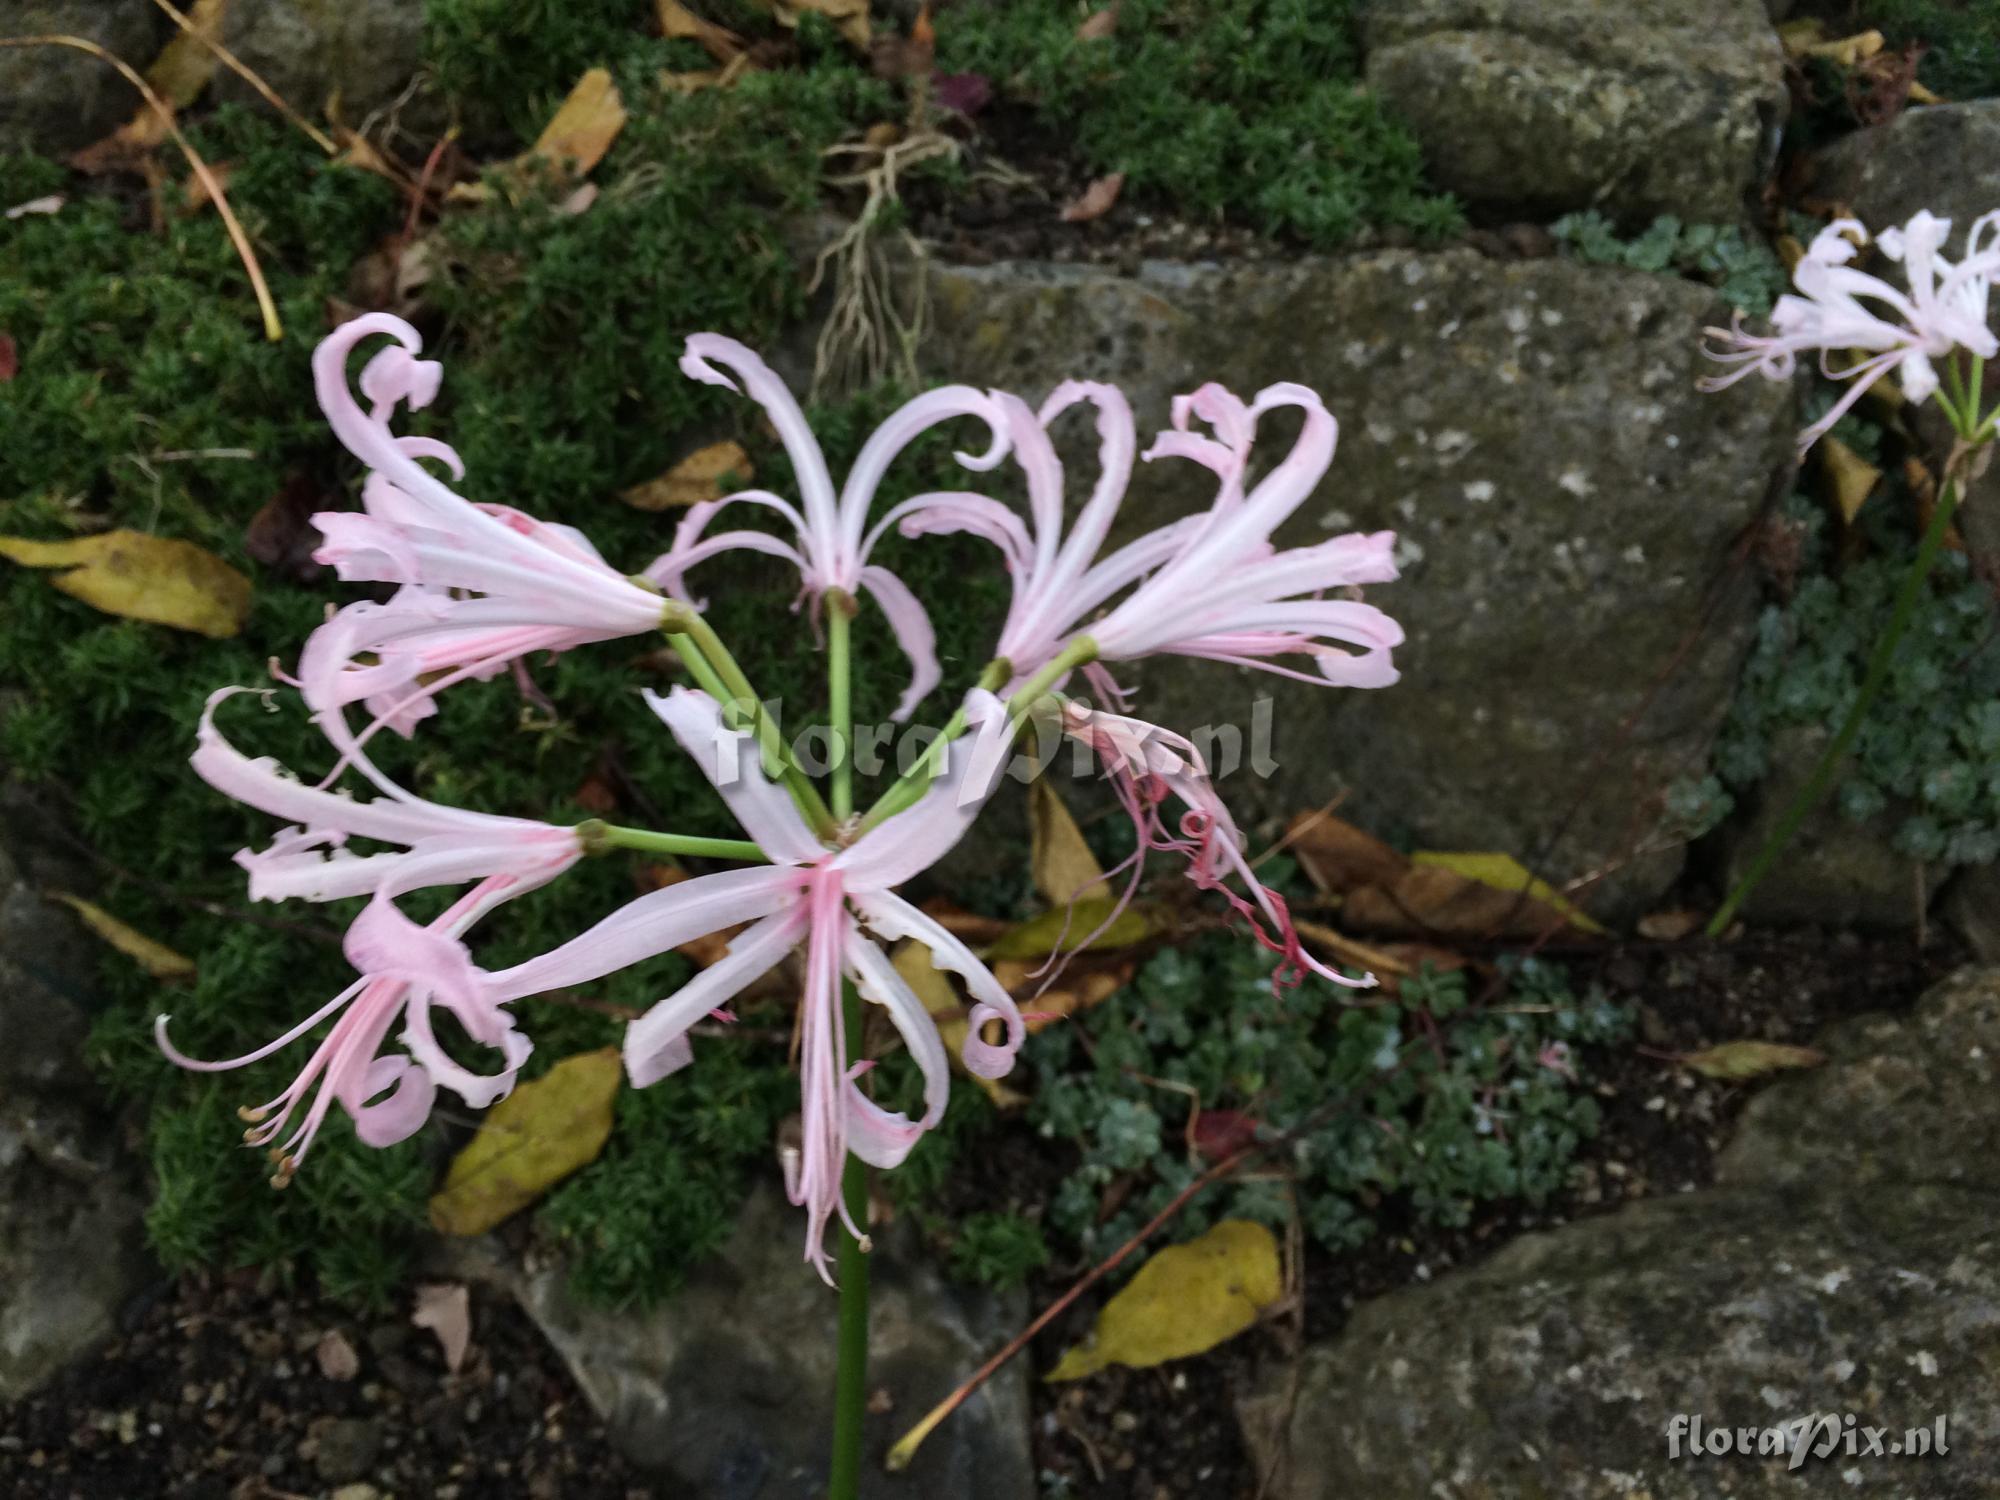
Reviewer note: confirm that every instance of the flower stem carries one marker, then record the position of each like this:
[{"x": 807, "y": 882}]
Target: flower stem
[
  {"x": 840, "y": 699},
  {"x": 716, "y": 670},
  {"x": 1828, "y": 769},
  {"x": 850, "y": 1390},
  {"x": 598, "y": 836},
  {"x": 910, "y": 786}
]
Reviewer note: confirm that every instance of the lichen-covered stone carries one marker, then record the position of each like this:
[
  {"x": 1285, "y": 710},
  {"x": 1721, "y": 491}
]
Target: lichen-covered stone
[
  {"x": 727, "y": 1388},
  {"x": 70, "y": 1202},
  {"x": 54, "y": 99},
  {"x": 1972, "y": 906},
  {"x": 1850, "y": 1263},
  {"x": 1900, "y": 1100},
  {"x": 1565, "y": 499},
  {"x": 360, "y": 53},
  {"x": 1945, "y": 158},
  {"x": 1640, "y": 107}
]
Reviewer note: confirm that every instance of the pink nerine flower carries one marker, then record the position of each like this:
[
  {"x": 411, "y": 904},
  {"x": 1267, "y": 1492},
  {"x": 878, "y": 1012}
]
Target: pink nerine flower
[
  {"x": 1839, "y": 310},
  {"x": 1209, "y": 585},
  {"x": 482, "y": 585},
  {"x": 440, "y": 845},
  {"x": 833, "y": 541},
  {"x": 405, "y": 970},
  {"x": 824, "y": 898},
  {"x": 1146, "y": 765}
]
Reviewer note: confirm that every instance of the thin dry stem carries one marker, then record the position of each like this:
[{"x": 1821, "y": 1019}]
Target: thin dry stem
[
  {"x": 243, "y": 71},
  {"x": 273, "y": 329}
]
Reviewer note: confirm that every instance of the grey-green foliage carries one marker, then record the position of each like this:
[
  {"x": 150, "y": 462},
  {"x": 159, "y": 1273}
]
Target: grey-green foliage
[
  {"x": 1427, "y": 1097},
  {"x": 1931, "y": 744},
  {"x": 1740, "y": 267}
]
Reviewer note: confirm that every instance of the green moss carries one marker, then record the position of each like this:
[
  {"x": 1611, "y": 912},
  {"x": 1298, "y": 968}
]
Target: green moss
[{"x": 1250, "y": 109}]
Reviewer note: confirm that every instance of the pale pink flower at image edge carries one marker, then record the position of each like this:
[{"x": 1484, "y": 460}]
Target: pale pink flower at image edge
[{"x": 1944, "y": 309}]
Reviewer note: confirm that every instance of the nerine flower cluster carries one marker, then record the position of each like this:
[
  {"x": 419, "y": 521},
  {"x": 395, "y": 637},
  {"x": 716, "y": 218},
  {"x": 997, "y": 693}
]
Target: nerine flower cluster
[{"x": 479, "y": 588}]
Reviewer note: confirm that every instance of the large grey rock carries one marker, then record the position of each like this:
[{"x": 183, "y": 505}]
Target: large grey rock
[
  {"x": 1849, "y": 1262},
  {"x": 1836, "y": 871},
  {"x": 70, "y": 1203},
  {"x": 1945, "y": 158},
  {"x": 55, "y": 99},
  {"x": 361, "y": 53},
  {"x": 1639, "y": 107},
  {"x": 727, "y": 1388},
  {"x": 1565, "y": 497},
  {"x": 1901, "y": 1100},
  {"x": 1972, "y": 906}
]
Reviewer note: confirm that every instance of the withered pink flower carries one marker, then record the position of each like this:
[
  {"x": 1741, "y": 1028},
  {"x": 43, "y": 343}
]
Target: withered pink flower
[
  {"x": 832, "y": 901},
  {"x": 1209, "y": 585},
  {"x": 1841, "y": 312},
  {"x": 1148, "y": 765},
  {"x": 832, "y": 541},
  {"x": 405, "y": 970},
  {"x": 482, "y": 586}
]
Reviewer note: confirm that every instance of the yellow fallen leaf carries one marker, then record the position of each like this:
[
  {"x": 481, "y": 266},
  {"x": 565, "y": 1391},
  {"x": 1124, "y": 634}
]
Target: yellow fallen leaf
[
  {"x": 1061, "y": 863},
  {"x": 528, "y": 1142},
  {"x": 1847, "y": 51},
  {"x": 186, "y": 63},
  {"x": 1850, "y": 478},
  {"x": 143, "y": 578},
  {"x": 695, "y": 478},
  {"x": 1184, "y": 1301},
  {"x": 1067, "y": 926},
  {"x": 1918, "y": 94},
  {"x": 677, "y": 22},
  {"x": 1505, "y": 873},
  {"x": 1736, "y": 1062},
  {"x": 849, "y": 17},
  {"x": 933, "y": 986},
  {"x": 157, "y": 959},
  {"x": 1796, "y": 36},
  {"x": 586, "y": 125}
]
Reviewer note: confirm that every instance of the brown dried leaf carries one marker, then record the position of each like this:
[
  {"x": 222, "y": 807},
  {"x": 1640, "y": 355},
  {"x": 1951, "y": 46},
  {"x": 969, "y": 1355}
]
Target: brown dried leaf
[
  {"x": 586, "y": 125},
  {"x": 1095, "y": 201},
  {"x": 187, "y": 63},
  {"x": 1337, "y": 856},
  {"x": 1433, "y": 901},
  {"x": 1669, "y": 926},
  {"x": 10, "y": 358},
  {"x": 446, "y": 1310},
  {"x": 336, "y": 1357},
  {"x": 695, "y": 478},
  {"x": 281, "y": 535},
  {"x": 849, "y": 17},
  {"x": 677, "y": 21},
  {"x": 1098, "y": 25},
  {"x": 200, "y": 191}
]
